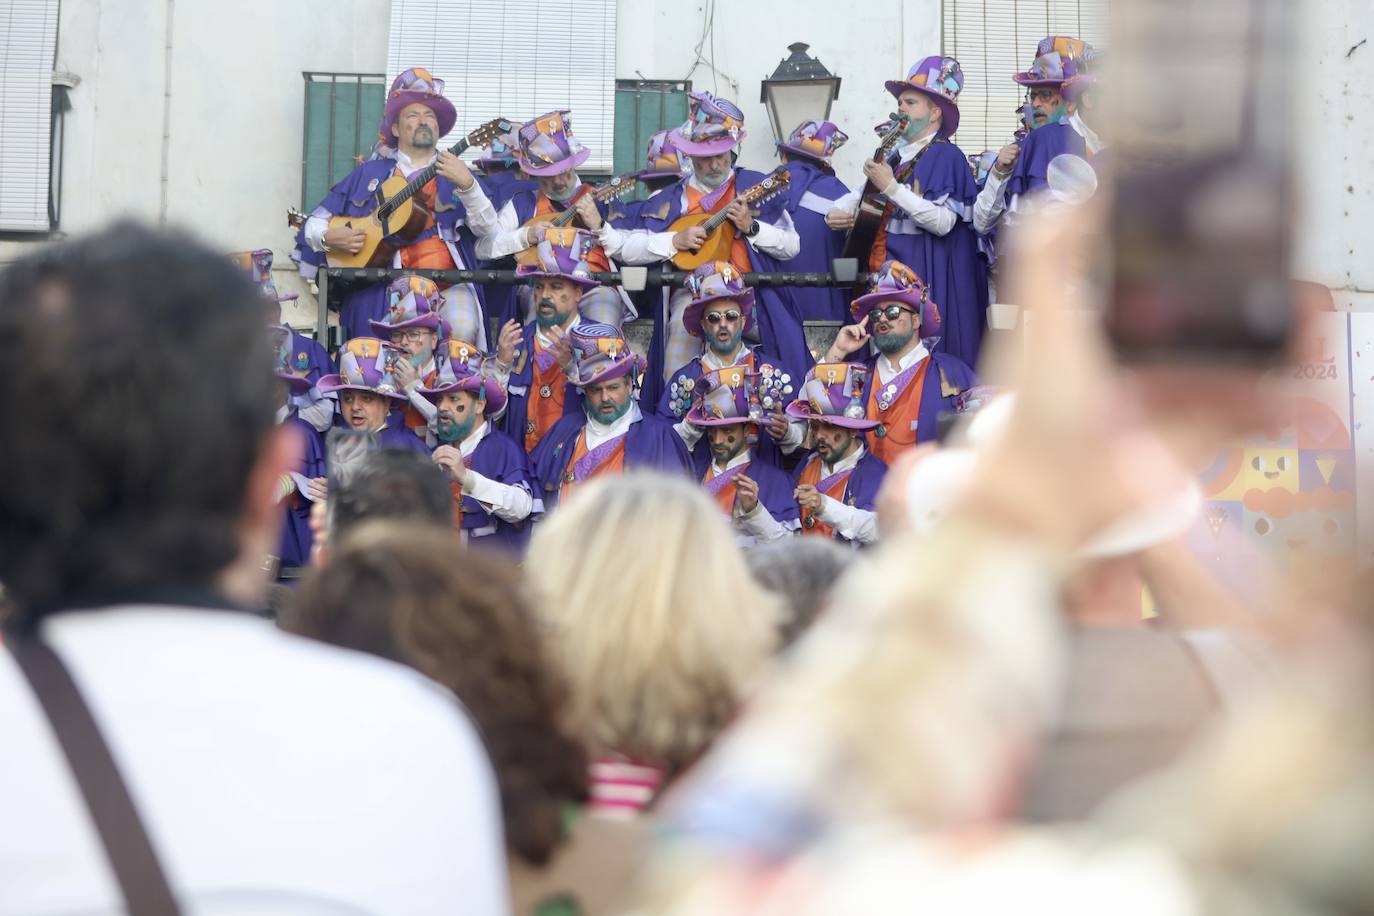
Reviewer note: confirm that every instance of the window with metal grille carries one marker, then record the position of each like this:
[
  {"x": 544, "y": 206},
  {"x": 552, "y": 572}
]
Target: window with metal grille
[
  {"x": 994, "y": 39},
  {"x": 642, "y": 109},
  {"x": 342, "y": 111}
]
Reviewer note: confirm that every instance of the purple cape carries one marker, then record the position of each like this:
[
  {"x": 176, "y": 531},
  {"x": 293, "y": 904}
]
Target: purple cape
[
  {"x": 308, "y": 354},
  {"x": 806, "y": 200},
  {"x": 398, "y": 437},
  {"x": 775, "y": 490},
  {"x": 498, "y": 458},
  {"x": 351, "y": 197},
  {"x": 521, "y": 381},
  {"x": 297, "y": 539},
  {"x": 861, "y": 490},
  {"x": 933, "y": 401},
  {"x": 775, "y": 308},
  {"x": 766, "y": 451},
  {"x": 1040, "y": 146},
  {"x": 650, "y": 443},
  {"x": 502, "y": 186},
  {"x": 950, "y": 264}
]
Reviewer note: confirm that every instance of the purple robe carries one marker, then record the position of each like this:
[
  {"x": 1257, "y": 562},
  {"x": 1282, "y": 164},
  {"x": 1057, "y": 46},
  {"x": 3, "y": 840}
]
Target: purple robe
[
  {"x": 766, "y": 451},
  {"x": 297, "y": 538},
  {"x": 860, "y": 490},
  {"x": 947, "y": 369},
  {"x": 811, "y": 195},
  {"x": 950, "y": 264},
  {"x": 502, "y": 186},
  {"x": 517, "y": 414},
  {"x": 498, "y": 458},
  {"x": 775, "y": 309},
  {"x": 650, "y": 443},
  {"x": 775, "y": 489},
  {"x": 310, "y": 357},
  {"x": 351, "y": 197},
  {"x": 1030, "y": 172},
  {"x": 398, "y": 437}
]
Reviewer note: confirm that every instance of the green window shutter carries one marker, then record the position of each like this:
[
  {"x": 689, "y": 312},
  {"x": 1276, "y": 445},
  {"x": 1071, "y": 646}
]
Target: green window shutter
[
  {"x": 341, "y": 115},
  {"x": 642, "y": 108}
]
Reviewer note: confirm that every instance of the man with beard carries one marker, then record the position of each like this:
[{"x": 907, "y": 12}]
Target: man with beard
[
  {"x": 609, "y": 435},
  {"x": 720, "y": 313},
  {"x": 907, "y": 386},
  {"x": 412, "y": 324},
  {"x": 367, "y": 391},
  {"x": 1023, "y": 168},
  {"x": 548, "y": 152},
  {"x": 299, "y": 488},
  {"x": 930, "y": 191},
  {"x": 416, "y": 116},
  {"x": 487, "y": 471},
  {"x": 837, "y": 487},
  {"x": 813, "y": 192},
  {"x": 540, "y": 392},
  {"x": 664, "y": 165},
  {"x": 755, "y": 496},
  {"x": 710, "y": 137}
]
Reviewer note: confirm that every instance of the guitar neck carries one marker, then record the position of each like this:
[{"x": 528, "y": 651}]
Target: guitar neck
[
  {"x": 419, "y": 180},
  {"x": 748, "y": 197}
]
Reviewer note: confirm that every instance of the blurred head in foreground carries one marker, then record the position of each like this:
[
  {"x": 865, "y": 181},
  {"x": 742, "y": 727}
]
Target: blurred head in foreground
[
  {"x": 143, "y": 457},
  {"x": 800, "y": 571},
  {"x": 658, "y": 651},
  {"x": 409, "y": 592}
]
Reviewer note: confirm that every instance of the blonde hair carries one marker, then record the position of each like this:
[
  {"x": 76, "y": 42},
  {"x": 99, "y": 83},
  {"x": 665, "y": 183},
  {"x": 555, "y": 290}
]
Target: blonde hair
[{"x": 652, "y": 614}]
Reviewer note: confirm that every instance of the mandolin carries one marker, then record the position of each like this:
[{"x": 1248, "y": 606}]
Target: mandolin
[
  {"x": 398, "y": 217},
  {"x": 618, "y": 186},
  {"x": 720, "y": 232},
  {"x": 868, "y": 219}
]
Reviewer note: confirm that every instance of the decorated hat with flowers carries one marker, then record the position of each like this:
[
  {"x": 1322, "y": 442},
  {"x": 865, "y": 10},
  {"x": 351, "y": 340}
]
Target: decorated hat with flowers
[
  {"x": 411, "y": 302},
  {"x": 834, "y": 393},
  {"x": 601, "y": 354},
  {"x": 546, "y": 145},
  {"x": 564, "y": 252},
  {"x": 713, "y": 126},
  {"x": 713, "y": 282},
  {"x": 895, "y": 282},
  {"x": 365, "y": 364},
  {"x": 815, "y": 140},
  {"x": 417, "y": 86}
]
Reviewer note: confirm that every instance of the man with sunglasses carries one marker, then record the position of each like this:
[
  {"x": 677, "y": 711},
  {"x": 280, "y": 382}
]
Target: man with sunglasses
[
  {"x": 413, "y": 323},
  {"x": 720, "y": 312},
  {"x": 1023, "y": 168},
  {"x": 907, "y": 387}
]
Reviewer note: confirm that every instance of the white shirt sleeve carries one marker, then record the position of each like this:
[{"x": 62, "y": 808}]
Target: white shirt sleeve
[
  {"x": 688, "y": 433},
  {"x": 761, "y": 525},
  {"x": 991, "y": 203},
  {"x": 420, "y": 402},
  {"x": 320, "y": 414},
  {"x": 933, "y": 218},
  {"x": 508, "y": 502},
  {"x": 636, "y": 246},
  {"x": 779, "y": 240},
  {"x": 480, "y": 216},
  {"x": 849, "y": 203},
  {"x": 796, "y": 434},
  {"x": 315, "y": 228},
  {"x": 504, "y": 238},
  {"x": 849, "y": 521}
]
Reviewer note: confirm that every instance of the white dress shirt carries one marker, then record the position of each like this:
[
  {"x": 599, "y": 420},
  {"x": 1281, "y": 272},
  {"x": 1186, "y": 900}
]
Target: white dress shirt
[
  {"x": 509, "y": 502},
  {"x": 860, "y": 526},
  {"x": 887, "y": 371},
  {"x": 507, "y": 235},
  {"x": 937, "y": 219},
  {"x": 598, "y": 432}
]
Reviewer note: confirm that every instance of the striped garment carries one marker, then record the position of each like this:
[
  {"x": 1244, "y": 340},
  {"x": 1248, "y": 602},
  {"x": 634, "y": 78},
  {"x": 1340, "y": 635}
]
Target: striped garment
[{"x": 621, "y": 787}]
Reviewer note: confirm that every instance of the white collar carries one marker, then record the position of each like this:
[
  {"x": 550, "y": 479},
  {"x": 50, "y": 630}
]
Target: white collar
[
  {"x": 1090, "y": 137},
  {"x": 409, "y": 166},
  {"x": 908, "y": 150},
  {"x": 469, "y": 445},
  {"x": 692, "y": 182},
  {"x": 743, "y": 457},
  {"x": 598, "y": 433},
  {"x": 711, "y": 360},
  {"x": 886, "y": 370},
  {"x": 546, "y": 341},
  {"x": 845, "y": 463}
]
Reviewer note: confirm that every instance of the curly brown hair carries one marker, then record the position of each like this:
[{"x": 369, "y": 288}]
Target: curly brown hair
[{"x": 461, "y": 617}]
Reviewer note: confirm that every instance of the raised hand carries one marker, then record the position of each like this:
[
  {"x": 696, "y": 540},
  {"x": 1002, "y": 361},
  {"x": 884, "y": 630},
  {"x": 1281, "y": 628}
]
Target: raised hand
[
  {"x": 852, "y": 337},
  {"x": 746, "y": 494}
]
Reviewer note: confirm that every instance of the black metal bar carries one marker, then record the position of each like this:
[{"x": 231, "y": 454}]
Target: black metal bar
[{"x": 511, "y": 278}]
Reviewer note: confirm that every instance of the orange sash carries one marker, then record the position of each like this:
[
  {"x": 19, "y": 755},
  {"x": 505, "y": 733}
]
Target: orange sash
[
  {"x": 739, "y": 251},
  {"x": 811, "y": 474},
  {"x": 597, "y": 262},
  {"x": 429, "y": 253},
  {"x": 545, "y": 409},
  {"x": 898, "y": 429},
  {"x": 614, "y": 464},
  {"x": 725, "y": 496}
]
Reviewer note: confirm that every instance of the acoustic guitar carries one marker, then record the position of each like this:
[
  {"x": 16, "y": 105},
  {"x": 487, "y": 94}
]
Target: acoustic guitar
[
  {"x": 868, "y": 219},
  {"x": 618, "y": 186},
  {"x": 398, "y": 217},
  {"x": 720, "y": 232}
]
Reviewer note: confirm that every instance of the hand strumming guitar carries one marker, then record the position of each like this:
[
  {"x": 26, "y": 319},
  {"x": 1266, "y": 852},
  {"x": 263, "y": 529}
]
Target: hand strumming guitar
[
  {"x": 587, "y": 212},
  {"x": 689, "y": 239},
  {"x": 739, "y": 213},
  {"x": 343, "y": 238},
  {"x": 880, "y": 173}
]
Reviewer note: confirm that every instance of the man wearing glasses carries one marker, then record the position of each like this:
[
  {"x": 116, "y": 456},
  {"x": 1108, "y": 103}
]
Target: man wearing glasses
[
  {"x": 720, "y": 313},
  {"x": 414, "y": 324},
  {"x": 907, "y": 386}
]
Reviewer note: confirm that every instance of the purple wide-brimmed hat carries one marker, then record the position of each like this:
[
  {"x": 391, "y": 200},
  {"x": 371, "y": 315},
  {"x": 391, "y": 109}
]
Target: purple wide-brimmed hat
[
  {"x": 365, "y": 365},
  {"x": 721, "y": 398},
  {"x": 258, "y": 265},
  {"x": 417, "y": 86},
  {"x": 412, "y": 302},
  {"x": 562, "y": 252},
  {"x": 281, "y": 360},
  {"x": 713, "y": 281},
  {"x": 500, "y": 153},
  {"x": 663, "y": 159},
  {"x": 942, "y": 79},
  {"x": 895, "y": 282},
  {"x": 1057, "y": 59},
  {"x": 461, "y": 367},
  {"x": 833, "y": 393},
  {"x": 600, "y": 354},
  {"x": 546, "y": 145},
  {"x": 816, "y": 140},
  {"x": 713, "y": 126}
]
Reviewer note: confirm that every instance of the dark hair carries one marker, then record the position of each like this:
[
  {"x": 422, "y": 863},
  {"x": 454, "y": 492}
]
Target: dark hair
[
  {"x": 142, "y": 374},
  {"x": 391, "y": 484},
  {"x": 801, "y": 571},
  {"x": 462, "y": 618}
]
